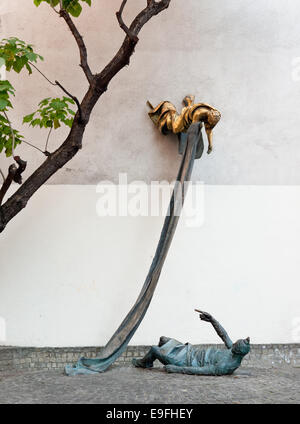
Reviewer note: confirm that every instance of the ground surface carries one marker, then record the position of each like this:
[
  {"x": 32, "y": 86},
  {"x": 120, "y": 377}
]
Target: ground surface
[{"x": 132, "y": 385}]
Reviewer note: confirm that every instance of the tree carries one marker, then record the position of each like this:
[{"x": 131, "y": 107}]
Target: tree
[{"x": 19, "y": 56}]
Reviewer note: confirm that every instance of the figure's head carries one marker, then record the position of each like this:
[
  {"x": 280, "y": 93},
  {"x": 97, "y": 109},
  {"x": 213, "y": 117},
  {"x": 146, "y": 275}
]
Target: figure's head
[
  {"x": 213, "y": 118},
  {"x": 241, "y": 347}
]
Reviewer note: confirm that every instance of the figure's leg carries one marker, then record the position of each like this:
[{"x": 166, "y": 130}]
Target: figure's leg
[
  {"x": 210, "y": 140},
  {"x": 189, "y": 100},
  {"x": 147, "y": 360},
  {"x": 206, "y": 370}
]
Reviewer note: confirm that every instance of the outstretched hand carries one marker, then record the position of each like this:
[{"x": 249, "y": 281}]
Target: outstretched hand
[{"x": 204, "y": 316}]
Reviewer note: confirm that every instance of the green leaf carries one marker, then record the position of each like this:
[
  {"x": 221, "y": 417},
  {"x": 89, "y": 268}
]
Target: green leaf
[
  {"x": 52, "y": 112},
  {"x": 4, "y": 87},
  {"x": 74, "y": 9},
  {"x": 17, "y": 54},
  {"x": 68, "y": 99},
  {"x": 19, "y": 64},
  {"x": 57, "y": 104},
  {"x": 28, "y": 118},
  {"x": 3, "y": 104},
  {"x": 56, "y": 123},
  {"x": 32, "y": 57},
  {"x": 71, "y": 6},
  {"x": 6, "y": 138},
  {"x": 6, "y": 90},
  {"x": 35, "y": 122},
  {"x": 44, "y": 101}
]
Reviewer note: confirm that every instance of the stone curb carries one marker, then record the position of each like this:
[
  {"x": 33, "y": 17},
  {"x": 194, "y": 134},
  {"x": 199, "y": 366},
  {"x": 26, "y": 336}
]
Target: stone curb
[{"x": 49, "y": 358}]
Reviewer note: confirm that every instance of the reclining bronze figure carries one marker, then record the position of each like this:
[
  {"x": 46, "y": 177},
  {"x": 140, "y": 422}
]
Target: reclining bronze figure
[{"x": 187, "y": 359}]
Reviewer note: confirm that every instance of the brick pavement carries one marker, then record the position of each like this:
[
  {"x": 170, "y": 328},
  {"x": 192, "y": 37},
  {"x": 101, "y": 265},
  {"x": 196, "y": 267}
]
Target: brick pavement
[{"x": 126, "y": 384}]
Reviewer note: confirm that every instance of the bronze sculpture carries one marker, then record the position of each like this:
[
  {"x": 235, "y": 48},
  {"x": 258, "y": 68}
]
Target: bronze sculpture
[
  {"x": 166, "y": 118},
  {"x": 187, "y": 359},
  {"x": 191, "y": 147}
]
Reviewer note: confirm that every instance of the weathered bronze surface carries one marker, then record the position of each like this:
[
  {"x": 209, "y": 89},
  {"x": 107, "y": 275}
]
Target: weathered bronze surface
[
  {"x": 192, "y": 147},
  {"x": 166, "y": 118},
  {"x": 187, "y": 359}
]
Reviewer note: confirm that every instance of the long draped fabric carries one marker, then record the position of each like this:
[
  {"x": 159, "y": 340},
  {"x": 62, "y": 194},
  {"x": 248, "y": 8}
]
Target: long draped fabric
[{"x": 193, "y": 146}]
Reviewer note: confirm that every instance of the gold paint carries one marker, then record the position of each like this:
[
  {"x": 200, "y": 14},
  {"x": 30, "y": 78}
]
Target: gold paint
[{"x": 166, "y": 118}]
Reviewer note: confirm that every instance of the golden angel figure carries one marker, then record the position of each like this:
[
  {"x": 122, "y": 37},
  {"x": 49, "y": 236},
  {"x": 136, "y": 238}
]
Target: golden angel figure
[{"x": 166, "y": 118}]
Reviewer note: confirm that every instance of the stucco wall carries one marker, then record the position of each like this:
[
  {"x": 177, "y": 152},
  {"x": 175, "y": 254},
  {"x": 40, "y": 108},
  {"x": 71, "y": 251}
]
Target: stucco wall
[
  {"x": 67, "y": 276},
  {"x": 236, "y": 55}
]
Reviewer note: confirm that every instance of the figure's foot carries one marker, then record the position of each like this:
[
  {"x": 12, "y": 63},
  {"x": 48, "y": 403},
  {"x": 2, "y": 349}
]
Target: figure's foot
[
  {"x": 150, "y": 105},
  {"x": 139, "y": 363},
  {"x": 209, "y": 150},
  {"x": 188, "y": 100}
]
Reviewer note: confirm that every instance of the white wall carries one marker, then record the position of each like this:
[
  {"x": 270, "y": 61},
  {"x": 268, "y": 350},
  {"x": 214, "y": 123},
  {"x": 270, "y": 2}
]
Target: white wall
[
  {"x": 234, "y": 54},
  {"x": 69, "y": 277}
]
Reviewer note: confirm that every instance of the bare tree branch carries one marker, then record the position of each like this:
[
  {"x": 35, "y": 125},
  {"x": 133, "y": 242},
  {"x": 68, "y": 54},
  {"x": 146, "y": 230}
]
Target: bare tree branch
[
  {"x": 122, "y": 24},
  {"x": 12, "y": 135},
  {"x": 47, "y": 141},
  {"x": 43, "y": 75},
  {"x": 3, "y": 176},
  {"x": 14, "y": 174},
  {"x": 51, "y": 4},
  {"x": 122, "y": 57},
  {"x": 81, "y": 45},
  {"x": 21, "y": 168},
  {"x": 7, "y": 182},
  {"x": 61, "y": 87},
  {"x": 72, "y": 97},
  {"x": 35, "y": 147}
]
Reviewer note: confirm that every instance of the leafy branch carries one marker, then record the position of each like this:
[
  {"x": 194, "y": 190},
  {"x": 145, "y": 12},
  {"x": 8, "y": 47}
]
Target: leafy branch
[
  {"x": 71, "y": 6},
  {"x": 17, "y": 54},
  {"x": 52, "y": 113},
  {"x": 9, "y": 137},
  {"x": 98, "y": 84},
  {"x": 6, "y": 90}
]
